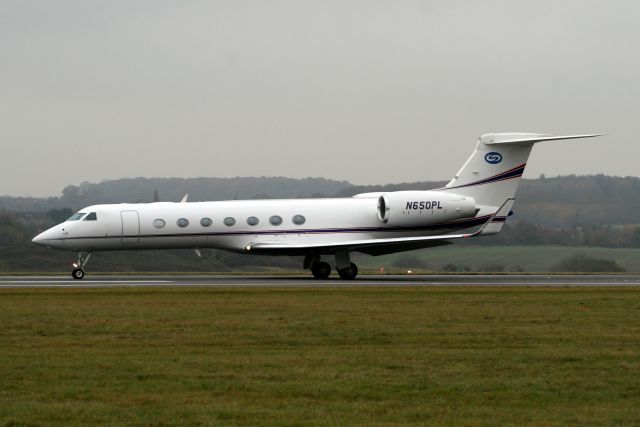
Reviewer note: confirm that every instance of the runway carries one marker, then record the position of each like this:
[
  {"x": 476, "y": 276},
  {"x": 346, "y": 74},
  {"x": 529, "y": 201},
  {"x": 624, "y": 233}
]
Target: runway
[{"x": 258, "y": 281}]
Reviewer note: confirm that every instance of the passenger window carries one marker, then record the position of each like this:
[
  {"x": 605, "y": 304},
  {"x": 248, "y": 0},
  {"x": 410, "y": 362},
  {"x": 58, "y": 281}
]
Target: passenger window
[
  {"x": 159, "y": 223},
  {"x": 91, "y": 217},
  {"x": 228, "y": 221},
  {"x": 182, "y": 222},
  {"x": 298, "y": 219},
  {"x": 275, "y": 220},
  {"x": 206, "y": 222},
  {"x": 252, "y": 220},
  {"x": 77, "y": 216}
]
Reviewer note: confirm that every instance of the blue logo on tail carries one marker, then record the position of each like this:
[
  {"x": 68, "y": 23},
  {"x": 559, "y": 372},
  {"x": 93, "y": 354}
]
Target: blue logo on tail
[{"x": 493, "y": 158}]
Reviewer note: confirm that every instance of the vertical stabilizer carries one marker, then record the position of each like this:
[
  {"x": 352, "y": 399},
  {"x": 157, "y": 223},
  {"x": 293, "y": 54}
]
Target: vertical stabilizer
[{"x": 493, "y": 172}]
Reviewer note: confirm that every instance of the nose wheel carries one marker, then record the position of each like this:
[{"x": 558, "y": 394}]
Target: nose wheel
[{"x": 78, "y": 271}]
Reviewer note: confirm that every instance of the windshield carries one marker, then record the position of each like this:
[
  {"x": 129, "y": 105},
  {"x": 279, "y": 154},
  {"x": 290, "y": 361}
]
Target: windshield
[{"x": 77, "y": 216}]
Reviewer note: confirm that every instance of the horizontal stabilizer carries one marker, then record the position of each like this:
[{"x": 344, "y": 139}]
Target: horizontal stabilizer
[{"x": 527, "y": 138}]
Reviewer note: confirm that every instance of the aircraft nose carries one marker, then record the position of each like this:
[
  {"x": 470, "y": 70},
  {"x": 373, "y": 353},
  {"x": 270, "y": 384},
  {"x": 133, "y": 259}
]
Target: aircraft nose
[
  {"x": 50, "y": 238},
  {"x": 38, "y": 239}
]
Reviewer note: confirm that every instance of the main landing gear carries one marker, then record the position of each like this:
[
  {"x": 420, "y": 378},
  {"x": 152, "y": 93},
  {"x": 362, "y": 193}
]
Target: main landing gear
[
  {"x": 78, "y": 270},
  {"x": 348, "y": 273},
  {"x": 322, "y": 270}
]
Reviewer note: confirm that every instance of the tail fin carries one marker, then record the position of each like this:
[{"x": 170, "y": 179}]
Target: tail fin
[{"x": 493, "y": 172}]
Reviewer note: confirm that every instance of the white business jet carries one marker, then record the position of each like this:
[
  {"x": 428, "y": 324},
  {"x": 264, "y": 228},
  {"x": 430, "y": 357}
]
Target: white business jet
[{"x": 476, "y": 202}]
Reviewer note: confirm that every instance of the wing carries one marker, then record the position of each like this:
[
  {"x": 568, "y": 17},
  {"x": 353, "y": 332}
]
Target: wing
[
  {"x": 389, "y": 245},
  {"x": 368, "y": 246}
]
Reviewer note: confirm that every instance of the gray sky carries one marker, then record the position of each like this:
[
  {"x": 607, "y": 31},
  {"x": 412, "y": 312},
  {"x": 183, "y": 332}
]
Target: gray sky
[{"x": 367, "y": 91}]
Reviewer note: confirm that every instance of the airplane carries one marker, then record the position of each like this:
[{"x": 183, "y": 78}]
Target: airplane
[{"x": 476, "y": 202}]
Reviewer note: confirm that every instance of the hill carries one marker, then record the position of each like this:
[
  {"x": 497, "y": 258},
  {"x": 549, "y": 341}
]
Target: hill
[
  {"x": 561, "y": 202},
  {"x": 134, "y": 190}
]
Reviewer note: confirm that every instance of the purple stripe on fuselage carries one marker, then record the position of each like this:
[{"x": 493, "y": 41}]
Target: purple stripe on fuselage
[{"x": 452, "y": 225}]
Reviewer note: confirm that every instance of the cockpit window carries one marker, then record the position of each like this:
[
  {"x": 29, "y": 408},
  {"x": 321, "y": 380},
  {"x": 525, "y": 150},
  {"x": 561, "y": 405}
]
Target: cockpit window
[
  {"x": 77, "y": 217},
  {"x": 91, "y": 217}
]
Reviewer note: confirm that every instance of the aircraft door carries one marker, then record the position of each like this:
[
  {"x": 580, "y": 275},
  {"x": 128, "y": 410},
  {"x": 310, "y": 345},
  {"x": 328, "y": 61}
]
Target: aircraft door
[{"x": 130, "y": 227}]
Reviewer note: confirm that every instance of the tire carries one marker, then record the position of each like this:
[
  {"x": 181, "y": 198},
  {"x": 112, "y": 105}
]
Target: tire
[
  {"x": 321, "y": 270},
  {"x": 348, "y": 273},
  {"x": 78, "y": 274}
]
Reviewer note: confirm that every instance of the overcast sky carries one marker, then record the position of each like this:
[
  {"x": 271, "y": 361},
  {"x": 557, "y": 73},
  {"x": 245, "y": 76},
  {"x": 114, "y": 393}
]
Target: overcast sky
[{"x": 368, "y": 91}]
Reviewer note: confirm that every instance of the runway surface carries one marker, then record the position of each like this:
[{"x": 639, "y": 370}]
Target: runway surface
[{"x": 229, "y": 281}]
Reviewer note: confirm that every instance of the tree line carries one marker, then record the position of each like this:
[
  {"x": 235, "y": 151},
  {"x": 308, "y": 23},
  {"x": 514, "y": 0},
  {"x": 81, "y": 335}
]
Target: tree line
[
  {"x": 567, "y": 202},
  {"x": 570, "y": 211}
]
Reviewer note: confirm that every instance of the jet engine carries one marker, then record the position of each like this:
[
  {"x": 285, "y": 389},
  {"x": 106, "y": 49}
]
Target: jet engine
[{"x": 419, "y": 208}]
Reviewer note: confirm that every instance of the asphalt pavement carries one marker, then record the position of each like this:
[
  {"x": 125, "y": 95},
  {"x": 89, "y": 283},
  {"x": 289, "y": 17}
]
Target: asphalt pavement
[{"x": 304, "y": 281}]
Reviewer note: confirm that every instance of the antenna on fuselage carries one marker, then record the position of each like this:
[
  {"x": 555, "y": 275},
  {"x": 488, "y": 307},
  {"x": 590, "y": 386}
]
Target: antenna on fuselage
[{"x": 184, "y": 199}]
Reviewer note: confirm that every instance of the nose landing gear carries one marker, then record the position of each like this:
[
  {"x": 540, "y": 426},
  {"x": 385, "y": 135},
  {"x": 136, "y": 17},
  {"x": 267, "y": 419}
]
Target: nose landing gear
[{"x": 78, "y": 271}]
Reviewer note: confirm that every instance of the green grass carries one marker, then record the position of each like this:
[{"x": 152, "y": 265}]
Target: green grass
[
  {"x": 513, "y": 258},
  {"x": 413, "y": 356}
]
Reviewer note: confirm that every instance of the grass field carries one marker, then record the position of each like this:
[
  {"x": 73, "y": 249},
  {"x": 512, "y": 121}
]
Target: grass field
[
  {"x": 464, "y": 356},
  {"x": 513, "y": 258}
]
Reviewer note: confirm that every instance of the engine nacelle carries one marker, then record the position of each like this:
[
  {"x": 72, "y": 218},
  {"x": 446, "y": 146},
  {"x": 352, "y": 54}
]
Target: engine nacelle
[{"x": 418, "y": 208}]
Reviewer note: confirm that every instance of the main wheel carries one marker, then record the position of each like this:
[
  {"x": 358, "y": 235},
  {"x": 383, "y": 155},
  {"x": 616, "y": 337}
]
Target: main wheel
[
  {"x": 321, "y": 270},
  {"x": 348, "y": 273},
  {"x": 78, "y": 274}
]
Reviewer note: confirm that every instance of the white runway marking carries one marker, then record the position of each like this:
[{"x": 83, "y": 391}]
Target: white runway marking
[{"x": 87, "y": 281}]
